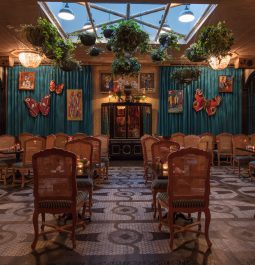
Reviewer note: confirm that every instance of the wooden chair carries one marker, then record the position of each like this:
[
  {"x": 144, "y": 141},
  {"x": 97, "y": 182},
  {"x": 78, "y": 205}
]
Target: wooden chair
[
  {"x": 50, "y": 141},
  {"x": 191, "y": 141},
  {"x": 187, "y": 191},
  {"x": 251, "y": 170},
  {"x": 224, "y": 147},
  {"x": 240, "y": 157},
  {"x": 83, "y": 151},
  {"x": 178, "y": 138},
  {"x": 252, "y": 139},
  {"x": 31, "y": 146},
  {"x": 7, "y": 142},
  {"x": 104, "y": 150},
  {"x": 160, "y": 151},
  {"x": 210, "y": 140},
  {"x": 23, "y": 137},
  {"x": 61, "y": 140},
  {"x": 79, "y": 135},
  {"x": 55, "y": 191},
  {"x": 146, "y": 142},
  {"x": 99, "y": 167}
]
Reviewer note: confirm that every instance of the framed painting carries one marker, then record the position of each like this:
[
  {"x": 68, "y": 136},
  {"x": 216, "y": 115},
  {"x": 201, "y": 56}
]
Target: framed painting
[
  {"x": 74, "y": 104},
  {"x": 225, "y": 83},
  {"x": 122, "y": 80},
  {"x": 106, "y": 82},
  {"x": 147, "y": 83},
  {"x": 175, "y": 101},
  {"x": 26, "y": 80}
]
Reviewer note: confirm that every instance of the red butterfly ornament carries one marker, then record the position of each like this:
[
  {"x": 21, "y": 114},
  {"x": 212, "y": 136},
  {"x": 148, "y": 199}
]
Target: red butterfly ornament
[
  {"x": 209, "y": 105},
  {"x": 56, "y": 88},
  {"x": 35, "y": 108}
]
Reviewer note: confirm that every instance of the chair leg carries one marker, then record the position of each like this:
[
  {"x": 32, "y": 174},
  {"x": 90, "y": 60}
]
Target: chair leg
[
  {"x": 90, "y": 201},
  {"x": 74, "y": 222},
  {"x": 160, "y": 216},
  {"x": 154, "y": 203},
  {"x": 43, "y": 221},
  {"x": 218, "y": 159},
  {"x": 239, "y": 169},
  {"x": 199, "y": 220},
  {"x": 171, "y": 228},
  {"x": 35, "y": 223},
  {"x": 207, "y": 223}
]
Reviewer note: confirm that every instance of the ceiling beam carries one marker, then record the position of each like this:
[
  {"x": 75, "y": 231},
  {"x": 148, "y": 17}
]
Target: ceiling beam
[
  {"x": 163, "y": 19},
  {"x": 106, "y": 10},
  {"x": 144, "y": 1},
  {"x": 128, "y": 11},
  {"x": 148, "y": 12},
  {"x": 87, "y": 5}
]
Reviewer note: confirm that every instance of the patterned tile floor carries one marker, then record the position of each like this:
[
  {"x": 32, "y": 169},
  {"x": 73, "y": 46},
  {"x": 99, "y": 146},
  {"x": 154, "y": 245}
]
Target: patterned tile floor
[{"x": 123, "y": 232}]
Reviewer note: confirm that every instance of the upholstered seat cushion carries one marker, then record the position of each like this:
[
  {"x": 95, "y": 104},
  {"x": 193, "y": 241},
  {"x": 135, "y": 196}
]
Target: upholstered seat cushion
[
  {"x": 243, "y": 158},
  {"x": 194, "y": 203},
  {"x": 159, "y": 184},
  {"x": 20, "y": 164},
  {"x": 58, "y": 204},
  {"x": 84, "y": 182}
]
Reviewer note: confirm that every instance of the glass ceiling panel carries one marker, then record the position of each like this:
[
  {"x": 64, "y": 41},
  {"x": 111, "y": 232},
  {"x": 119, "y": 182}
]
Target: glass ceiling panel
[{"x": 153, "y": 18}]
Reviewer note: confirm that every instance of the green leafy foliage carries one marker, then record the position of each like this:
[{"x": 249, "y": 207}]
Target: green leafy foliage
[
  {"x": 216, "y": 40},
  {"x": 87, "y": 38},
  {"x": 186, "y": 75},
  {"x": 125, "y": 66},
  {"x": 169, "y": 40},
  {"x": 195, "y": 53},
  {"x": 159, "y": 55}
]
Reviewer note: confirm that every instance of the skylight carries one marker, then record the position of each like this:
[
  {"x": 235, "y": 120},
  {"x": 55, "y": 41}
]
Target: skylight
[{"x": 148, "y": 16}]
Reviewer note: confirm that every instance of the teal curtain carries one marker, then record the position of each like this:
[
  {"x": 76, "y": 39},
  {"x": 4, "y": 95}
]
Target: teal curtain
[
  {"x": 227, "y": 117},
  {"x": 251, "y": 104},
  {"x": 18, "y": 117}
]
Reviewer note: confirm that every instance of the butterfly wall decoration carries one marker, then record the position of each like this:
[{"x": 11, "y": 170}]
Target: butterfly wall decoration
[
  {"x": 210, "y": 105},
  {"x": 35, "y": 108},
  {"x": 56, "y": 88}
]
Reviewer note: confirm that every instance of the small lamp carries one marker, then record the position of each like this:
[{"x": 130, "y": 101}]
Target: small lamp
[
  {"x": 66, "y": 13},
  {"x": 186, "y": 15}
]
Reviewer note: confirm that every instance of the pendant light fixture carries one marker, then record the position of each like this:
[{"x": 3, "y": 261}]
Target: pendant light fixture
[
  {"x": 219, "y": 63},
  {"x": 30, "y": 59},
  {"x": 66, "y": 13},
  {"x": 186, "y": 15}
]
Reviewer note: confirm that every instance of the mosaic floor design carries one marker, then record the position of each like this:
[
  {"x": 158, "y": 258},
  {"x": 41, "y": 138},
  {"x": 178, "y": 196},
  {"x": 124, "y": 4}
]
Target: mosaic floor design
[{"x": 123, "y": 232}]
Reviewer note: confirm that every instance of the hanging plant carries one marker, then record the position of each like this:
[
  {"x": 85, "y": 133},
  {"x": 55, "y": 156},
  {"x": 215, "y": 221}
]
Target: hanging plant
[
  {"x": 94, "y": 51},
  {"x": 186, "y": 75},
  {"x": 216, "y": 40},
  {"x": 107, "y": 31},
  {"x": 169, "y": 40},
  {"x": 195, "y": 53},
  {"x": 128, "y": 37},
  {"x": 125, "y": 66},
  {"x": 69, "y": 64},
  {"x": 87, "y": 38},
  {"x": 159, "y": 55}
]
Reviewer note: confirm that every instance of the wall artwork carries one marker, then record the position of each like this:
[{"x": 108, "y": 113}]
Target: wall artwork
[
  {"x": 26, "y": 80},
  {"x": 175, "y": 101},
  {"x": 74, "y": 104},
  {"x": 106, "y": 82},
  {"x": 35, "y": 108},
  {"x": 225, "y": 83},
  {"x": 147, "y": 84}
]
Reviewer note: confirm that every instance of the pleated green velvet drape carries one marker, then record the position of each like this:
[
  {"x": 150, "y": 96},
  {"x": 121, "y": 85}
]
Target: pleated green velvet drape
[
  {"x": 251, "y": 104},
  {"x": 227, "y": 118},
  {"x": 18, "y": 118}
]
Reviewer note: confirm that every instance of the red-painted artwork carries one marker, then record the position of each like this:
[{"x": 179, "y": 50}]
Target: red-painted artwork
[
  {"x": 56, "y": 88},
  {"x": 35, "y": 108},
  {"x": 74, "y": 104},
  {"x": 210, "y": 105}
]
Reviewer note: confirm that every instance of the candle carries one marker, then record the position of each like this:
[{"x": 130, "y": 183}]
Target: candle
[
  {"x": 165, "y": 166},
  {"x": 79, "y": 164}
]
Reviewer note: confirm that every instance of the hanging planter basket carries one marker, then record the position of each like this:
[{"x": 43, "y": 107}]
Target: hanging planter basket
[
  {"x": 87, "y": 39},
  {"x": 69, "y": 65},
  {"x": 108, "y": 33},
  {"x": 34, "y": 35},
  {"x": 195, "y": 53},
  {"x": 94, "y": 51},
  {"x": 186, "y": 75}
]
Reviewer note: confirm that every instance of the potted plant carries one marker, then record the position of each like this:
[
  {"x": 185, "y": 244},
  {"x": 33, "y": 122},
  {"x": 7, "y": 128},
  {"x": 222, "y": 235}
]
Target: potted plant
[
  {"x": 87, "y": 38},
  {"x": 195, "y": 53},
  {"x": 108, "y": 31},
  {"x": 125, "y": 66},
  {"x": 69, "y": 64},
  {"x": 159, "y": 55},
  {"x": 169, "y": 40},
  {"x": 216, "y": 40},
  {"x": 94, "y": 51},
  {"x": 186, "y": 75}
]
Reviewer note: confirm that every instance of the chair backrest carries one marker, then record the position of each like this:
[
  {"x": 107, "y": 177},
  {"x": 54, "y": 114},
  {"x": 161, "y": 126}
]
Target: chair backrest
[
  {"x": 7, "y": 141},
  {"x": 104, "y": 144},
  {"x": 50, "y": 141},
  {"x": 61, "y": 140},
  {"x": 178, "y": 138},
  {"x": 191, "y": 141},
  {"x": 96, "y": 153},
  {"x": 252, "y": 139},
  {"x": 54, "y": 176},
  {"x": 23, "y": 137},
  {"x": 224, "y": 143},
  {"x": 81, "y": 148},
  {"x": 160, "y": 150},
  {"x": 241, "y": 141},
  {"x": 188, "y": 177},
  {"x": 79, "y": 135},
  {"x": 32, "y": 146},
  {"x": 146, "y": 147},
  {"x": 210, "y": 139}
]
